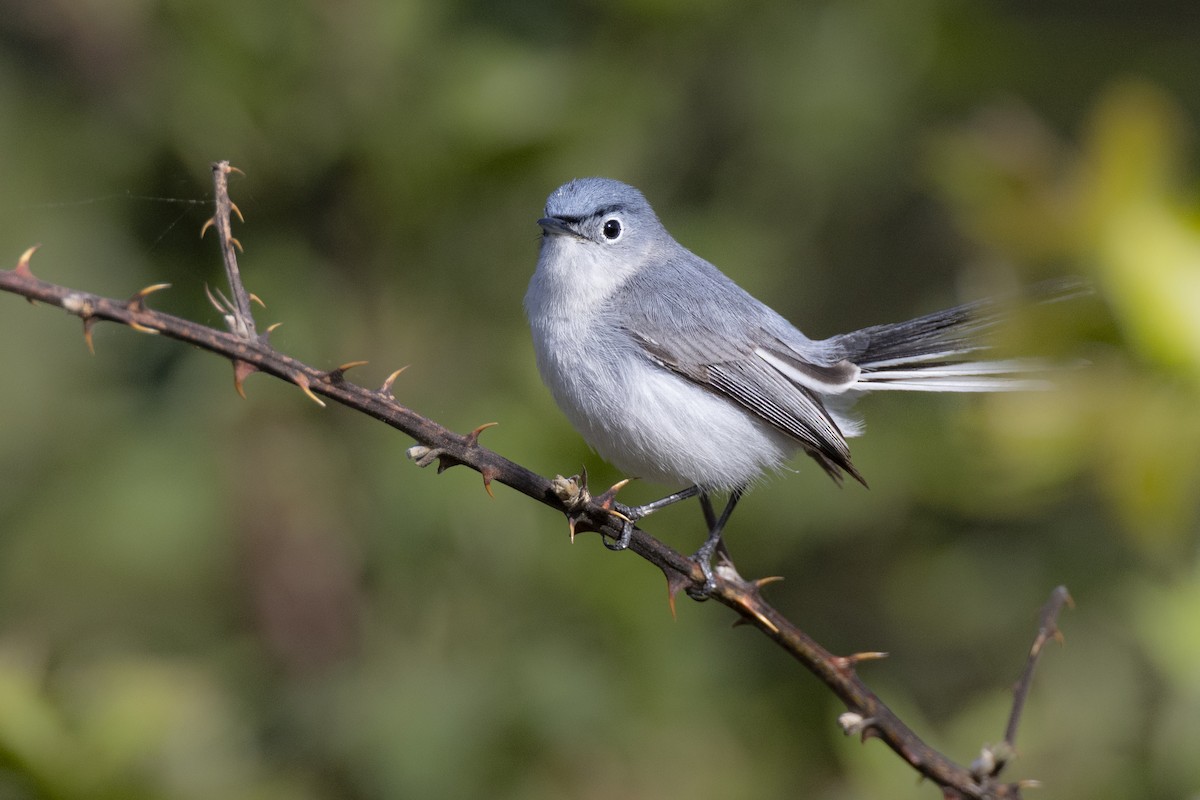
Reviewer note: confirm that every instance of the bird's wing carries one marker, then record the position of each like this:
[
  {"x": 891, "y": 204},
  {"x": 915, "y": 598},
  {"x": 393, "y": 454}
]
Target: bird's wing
[{"x": 720, "y": 346}]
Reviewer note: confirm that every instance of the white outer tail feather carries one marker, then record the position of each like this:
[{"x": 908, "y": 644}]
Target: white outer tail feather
[
  {"x": 927, "y": 372},
  {"x": 1010, "y": 375}
]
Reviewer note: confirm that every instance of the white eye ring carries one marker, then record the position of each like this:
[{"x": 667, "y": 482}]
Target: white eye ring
[{"x": 612, "y": 229}]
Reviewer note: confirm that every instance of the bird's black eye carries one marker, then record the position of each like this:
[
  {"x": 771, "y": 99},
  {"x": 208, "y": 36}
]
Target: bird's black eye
[{"x": 612, "y": 230}]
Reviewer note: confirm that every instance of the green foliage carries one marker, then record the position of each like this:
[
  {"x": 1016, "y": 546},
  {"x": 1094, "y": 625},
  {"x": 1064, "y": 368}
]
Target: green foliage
[{"x": 207, "y": 597}]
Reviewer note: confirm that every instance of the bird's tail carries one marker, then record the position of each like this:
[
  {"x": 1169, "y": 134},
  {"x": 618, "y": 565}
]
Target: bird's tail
[{"x": 937, "y": 352}]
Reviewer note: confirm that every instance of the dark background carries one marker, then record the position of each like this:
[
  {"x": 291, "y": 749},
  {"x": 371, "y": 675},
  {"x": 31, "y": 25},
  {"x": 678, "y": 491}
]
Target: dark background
[{"x": 202, "y": 596}]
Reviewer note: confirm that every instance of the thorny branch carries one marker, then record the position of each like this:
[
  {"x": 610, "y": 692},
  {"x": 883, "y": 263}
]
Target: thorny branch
[
  {"x": 238, "y": 315},
  {"x": 1047, "y": 630},
  {"x": 866, "y": 715}
]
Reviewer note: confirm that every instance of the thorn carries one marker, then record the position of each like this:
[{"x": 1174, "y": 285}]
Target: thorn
[
  {"x": 607, "y": 499},
  {"x": 301, "y": 380},
  {"x": 849, "y": 662},
  {"x": 489, "y": 474},
  {"x": 571, "y": 520},
  {"x": 266, "y": 335},
  {"x": 236, "y": 244},
  {"x": 242, "y": 370},
  {"x": 473, "y": 436},
  {"x": 1041, "y": 640},
  {"x": 766, "y": 623},
  {"x": 22, "y": 267},
  {"x": 618, "y": 515},
  {"x": 387, "y": 385},
  {"x": 608, "y": 502},
  {"x": 676, "y": 581},
  {"x": 231, "y": 168},
  {"x": 213, "y": 299},
  {"x": 208, "y": 223},
  {"x": 89, "y": 322},
  {"x": 256, "y": 299},
  {"x": 767, "y": 581},
  {"x": 137, "y": 302},
  {"x": 619, "y": 485},
  {"x": 338, "y": 375},
  {"x": 237, "y": 211}
]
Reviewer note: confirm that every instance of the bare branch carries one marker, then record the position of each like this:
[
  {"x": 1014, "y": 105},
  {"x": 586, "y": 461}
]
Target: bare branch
[
  {"x": 993, "y": 758},
  {"x": 1047, "y": 629},
  {"x": 237, "y": 311},
  {"x": 867, "y": 716}
]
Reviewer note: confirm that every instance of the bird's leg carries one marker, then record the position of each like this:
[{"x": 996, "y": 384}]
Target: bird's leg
[
  {"x": 710, "y": 521},
  {"x": 631, "y": 514},
  {"x": 704, "y": 555}
]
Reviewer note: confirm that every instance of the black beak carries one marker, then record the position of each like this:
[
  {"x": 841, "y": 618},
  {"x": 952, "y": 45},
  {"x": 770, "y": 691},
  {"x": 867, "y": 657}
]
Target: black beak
[{"x": 553, "y": 226}]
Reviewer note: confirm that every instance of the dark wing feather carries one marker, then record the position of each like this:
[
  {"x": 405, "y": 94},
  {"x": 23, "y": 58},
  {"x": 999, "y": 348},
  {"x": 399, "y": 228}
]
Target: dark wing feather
[{"x": 793, "y": 409}]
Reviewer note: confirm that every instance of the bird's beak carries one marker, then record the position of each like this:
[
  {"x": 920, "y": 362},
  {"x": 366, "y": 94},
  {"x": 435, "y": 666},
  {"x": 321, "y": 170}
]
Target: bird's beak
[{"x": 553, "y": 226}]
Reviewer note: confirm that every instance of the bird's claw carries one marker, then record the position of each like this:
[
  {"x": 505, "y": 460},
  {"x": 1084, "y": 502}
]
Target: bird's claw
[
  {"x": 627, "y": 526},
  {"x": 703, "y": 559},
  {"x": 608, "y": 500}
]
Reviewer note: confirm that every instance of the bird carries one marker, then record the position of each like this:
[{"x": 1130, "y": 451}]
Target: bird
[{"x": 676, "y": 375}]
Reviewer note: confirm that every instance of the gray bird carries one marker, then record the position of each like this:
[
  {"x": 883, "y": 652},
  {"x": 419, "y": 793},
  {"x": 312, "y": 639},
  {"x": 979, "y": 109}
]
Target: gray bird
[{"x": 675, "y": 374}]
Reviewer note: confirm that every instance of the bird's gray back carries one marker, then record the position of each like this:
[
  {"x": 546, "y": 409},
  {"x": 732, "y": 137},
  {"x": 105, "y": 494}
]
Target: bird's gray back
[{"x": 680, "y": 301}]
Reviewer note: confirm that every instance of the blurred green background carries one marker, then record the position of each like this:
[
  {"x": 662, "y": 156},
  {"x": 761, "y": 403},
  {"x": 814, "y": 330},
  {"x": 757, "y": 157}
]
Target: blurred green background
[{"x": 203, "y": 596}]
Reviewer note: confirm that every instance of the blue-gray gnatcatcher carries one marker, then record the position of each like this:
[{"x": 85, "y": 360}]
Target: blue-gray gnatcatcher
[{"x": 675, "y": 374}]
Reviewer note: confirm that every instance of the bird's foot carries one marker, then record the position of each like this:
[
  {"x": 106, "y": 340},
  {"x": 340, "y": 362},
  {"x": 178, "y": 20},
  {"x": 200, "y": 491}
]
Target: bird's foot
[{"x": 703, "y": 559}]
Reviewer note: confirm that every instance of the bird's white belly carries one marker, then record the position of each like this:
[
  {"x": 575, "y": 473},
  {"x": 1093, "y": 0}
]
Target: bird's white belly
[{"x": 654, "y": 424}]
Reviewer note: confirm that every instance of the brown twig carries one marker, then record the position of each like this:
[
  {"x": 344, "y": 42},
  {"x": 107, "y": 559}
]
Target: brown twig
[
  {"x": 867, "y": 716},
  {"x": 237, "y": 311},
  {"x": 993, "y": 758},
  {"x": 1047, "y": 629}
]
